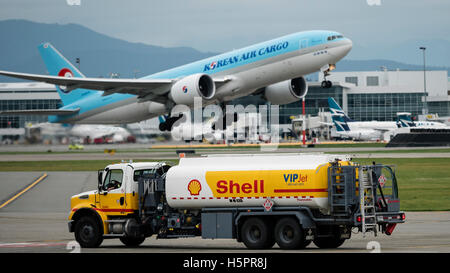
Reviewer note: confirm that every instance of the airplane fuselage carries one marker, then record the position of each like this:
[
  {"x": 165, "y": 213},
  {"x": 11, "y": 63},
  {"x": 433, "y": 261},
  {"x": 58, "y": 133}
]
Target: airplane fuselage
[{"x": 250, "y": 69}]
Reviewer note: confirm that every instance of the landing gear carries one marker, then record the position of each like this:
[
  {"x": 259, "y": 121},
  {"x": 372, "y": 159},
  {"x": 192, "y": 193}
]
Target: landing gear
[
  {"x": 168, "y": 124},
  {"x": 326, "y": 84},
  {"x": 326, "y": 72}
]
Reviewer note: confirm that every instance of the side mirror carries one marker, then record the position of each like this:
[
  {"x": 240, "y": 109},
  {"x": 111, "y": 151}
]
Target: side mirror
[{"x": 100, "y": 180}]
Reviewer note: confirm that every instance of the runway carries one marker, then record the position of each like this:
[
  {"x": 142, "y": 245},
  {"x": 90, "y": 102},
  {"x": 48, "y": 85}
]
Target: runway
[
  {"x": 37, "y": 222},
  {"x": 145, "y": 152}
]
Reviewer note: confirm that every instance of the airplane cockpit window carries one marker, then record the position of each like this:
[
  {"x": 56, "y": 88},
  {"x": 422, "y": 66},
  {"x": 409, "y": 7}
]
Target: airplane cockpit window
[{"x": 334, "y": 37}]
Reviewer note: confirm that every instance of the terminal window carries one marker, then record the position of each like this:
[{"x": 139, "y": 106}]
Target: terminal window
[
  {"x": 353, "y": 80},
  {"x": 372, "y": 81}
]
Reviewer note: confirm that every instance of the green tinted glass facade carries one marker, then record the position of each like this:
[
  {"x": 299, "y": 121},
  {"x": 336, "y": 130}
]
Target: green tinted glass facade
[
  {"x": 442, "y": 108},
  {"x": 20, "y": 120},
  {"x": 383, "y": 106}
]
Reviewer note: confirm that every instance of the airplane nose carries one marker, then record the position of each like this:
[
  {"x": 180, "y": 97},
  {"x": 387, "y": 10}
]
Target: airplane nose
[{"x": 348, "y": 45}]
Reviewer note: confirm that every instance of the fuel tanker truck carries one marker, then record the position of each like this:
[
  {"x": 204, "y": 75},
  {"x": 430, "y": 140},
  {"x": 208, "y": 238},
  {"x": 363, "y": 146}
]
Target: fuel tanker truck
[{"x": 288, "y": 199}]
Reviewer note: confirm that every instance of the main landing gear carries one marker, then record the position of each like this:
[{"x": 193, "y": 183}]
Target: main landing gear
[{"x": 168, "y": 123}]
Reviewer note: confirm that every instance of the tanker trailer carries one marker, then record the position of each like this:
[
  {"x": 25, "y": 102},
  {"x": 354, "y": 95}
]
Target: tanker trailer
[{"x": 288, "y": 199}]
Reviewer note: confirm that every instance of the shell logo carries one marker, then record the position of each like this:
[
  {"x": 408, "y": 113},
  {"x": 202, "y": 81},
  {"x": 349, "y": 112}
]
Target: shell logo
[{"x": 194, "y": 187}]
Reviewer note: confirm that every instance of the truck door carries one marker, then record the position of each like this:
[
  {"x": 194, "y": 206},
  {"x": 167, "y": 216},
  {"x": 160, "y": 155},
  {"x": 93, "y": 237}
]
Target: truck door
[{"x": 112, "y": 194}]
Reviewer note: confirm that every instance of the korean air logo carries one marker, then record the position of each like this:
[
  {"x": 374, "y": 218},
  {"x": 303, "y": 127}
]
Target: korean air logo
[
  {"x": 213, "y": 65},
  {"x": 65, "y": 72},
  {"x": 185, "y": 89}
]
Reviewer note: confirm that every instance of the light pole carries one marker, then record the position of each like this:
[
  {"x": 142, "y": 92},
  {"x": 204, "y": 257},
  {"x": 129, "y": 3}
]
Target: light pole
[{"x": 425, "y": 105}]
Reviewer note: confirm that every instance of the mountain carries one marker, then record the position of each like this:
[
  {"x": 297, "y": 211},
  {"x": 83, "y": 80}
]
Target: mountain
[
  {"x": 101, "y": 55},
  {"x": 437, "y": 52}
]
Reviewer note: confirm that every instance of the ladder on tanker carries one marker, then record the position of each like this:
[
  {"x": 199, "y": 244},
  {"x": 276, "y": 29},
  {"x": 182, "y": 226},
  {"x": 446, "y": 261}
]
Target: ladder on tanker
[
  {"x": 367, "y": 201},
  {"x": 341, "y": 189}
]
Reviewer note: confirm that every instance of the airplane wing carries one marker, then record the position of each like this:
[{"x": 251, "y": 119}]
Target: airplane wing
[
  {"x": 45, "y": 112},
  {"x": 143, "y": 88}
]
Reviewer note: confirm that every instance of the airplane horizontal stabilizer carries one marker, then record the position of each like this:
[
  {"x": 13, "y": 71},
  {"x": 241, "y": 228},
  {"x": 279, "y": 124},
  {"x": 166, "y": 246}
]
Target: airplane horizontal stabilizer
[{"x": 44, "y": 112}]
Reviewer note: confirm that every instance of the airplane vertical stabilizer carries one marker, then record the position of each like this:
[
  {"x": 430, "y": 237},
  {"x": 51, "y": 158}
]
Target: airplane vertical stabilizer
[
  {"x": 58, "y": 65},
  {"x": 336, "y": 109}
]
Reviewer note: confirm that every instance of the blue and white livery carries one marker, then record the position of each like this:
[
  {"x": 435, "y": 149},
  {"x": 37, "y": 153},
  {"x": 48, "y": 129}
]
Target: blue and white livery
[{"x": 273, "y": 69}]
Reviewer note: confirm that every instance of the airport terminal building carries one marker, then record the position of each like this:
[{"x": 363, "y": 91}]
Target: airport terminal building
[{"x": 365, "y": 96}]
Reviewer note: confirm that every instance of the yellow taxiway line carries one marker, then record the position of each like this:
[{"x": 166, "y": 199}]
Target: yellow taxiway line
[{"x": 24, "y": 190}]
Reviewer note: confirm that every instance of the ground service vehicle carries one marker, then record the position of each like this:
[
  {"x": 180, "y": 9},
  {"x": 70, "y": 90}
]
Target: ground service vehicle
[{"x": 260, "y": 200}]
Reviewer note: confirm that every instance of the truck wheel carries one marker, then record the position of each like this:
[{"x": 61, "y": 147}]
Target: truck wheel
[
  {"x": 257, "y": 234},
  {"x": 334, "y": 241},
  {"x": 87, "y": 232},
  {"x": 132, "y": 241},
  {"x": 289, "y": 234}
]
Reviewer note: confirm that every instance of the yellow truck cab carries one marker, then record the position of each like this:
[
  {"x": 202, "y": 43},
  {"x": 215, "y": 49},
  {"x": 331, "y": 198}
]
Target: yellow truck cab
[{"x": 95, "y": 214}]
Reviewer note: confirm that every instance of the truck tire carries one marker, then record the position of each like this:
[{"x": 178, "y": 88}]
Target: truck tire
[
  {"x": 257, "y": 234},
  {"x": 132, "y": 241},
  {"x": 289, "y": 234},
  {"x": 334, "y": 241},
  {"x": 88, "y": 233}
]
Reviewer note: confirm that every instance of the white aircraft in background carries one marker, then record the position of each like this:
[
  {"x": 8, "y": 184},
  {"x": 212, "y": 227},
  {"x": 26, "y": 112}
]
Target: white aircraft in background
[
  {"x": 114, "y": 133},
  {"x": 344, "y": 131},
  {"x": 273, "y": 69},
  {"x": 358, "y": 125},
  {"x": 404, "y": 120},
  {"x": 244, "y": 128},
  {"x": 84, "y": 131}
]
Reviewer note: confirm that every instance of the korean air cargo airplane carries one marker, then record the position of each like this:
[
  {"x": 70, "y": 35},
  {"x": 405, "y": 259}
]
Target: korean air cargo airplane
[{"x": 273, "y": 69}]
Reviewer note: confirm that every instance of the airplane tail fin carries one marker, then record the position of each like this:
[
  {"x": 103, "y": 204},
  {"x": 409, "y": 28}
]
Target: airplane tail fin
[
  {"x": 58, "y": 65},
  {"x": 340, "y": 123},
  {"x": 336, "y": 109},
  {"x": 404, "y": 120}
]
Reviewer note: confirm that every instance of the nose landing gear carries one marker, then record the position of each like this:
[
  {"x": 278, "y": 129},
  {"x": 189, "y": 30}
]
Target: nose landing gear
[{"x": 326, "y": 72}]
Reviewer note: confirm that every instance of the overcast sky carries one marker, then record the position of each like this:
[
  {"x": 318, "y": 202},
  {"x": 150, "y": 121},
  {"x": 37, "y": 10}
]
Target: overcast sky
[{"x": 220, "y": 25}]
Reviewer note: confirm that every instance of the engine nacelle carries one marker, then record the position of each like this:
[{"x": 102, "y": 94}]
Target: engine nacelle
[
  {"x": 198, "y": 85},
  {"x": 287, "y": 91}
]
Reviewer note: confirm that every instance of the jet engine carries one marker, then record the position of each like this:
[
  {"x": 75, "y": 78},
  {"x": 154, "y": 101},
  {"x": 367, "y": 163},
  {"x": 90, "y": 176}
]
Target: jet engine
[
  {"x": 198, "y": 85},
  {"x": 287, "y": 91}
]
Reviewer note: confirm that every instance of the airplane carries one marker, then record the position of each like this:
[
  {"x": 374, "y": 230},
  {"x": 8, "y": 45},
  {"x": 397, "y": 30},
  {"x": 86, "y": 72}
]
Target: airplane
[
  {"x": 84, "y": 131},
  {"x": 93, "y": 132},
  {"x": 344, "y": 131},
  {"x": 273, "y": 69},
  {"x": 245, "y": 128},
  {"x": 357, "y": 125},
  {"x": 404, "y": 120}
]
